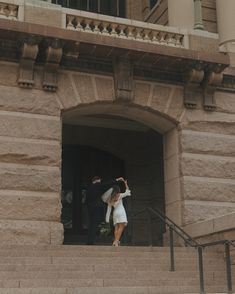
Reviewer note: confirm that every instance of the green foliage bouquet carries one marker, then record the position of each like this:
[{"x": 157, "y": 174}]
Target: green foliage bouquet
[{"x": 105, "y": 229}]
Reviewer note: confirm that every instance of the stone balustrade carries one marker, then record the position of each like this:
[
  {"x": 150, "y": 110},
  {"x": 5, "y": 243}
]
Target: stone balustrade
[
  {"x": 123, "y": 28},
  {"x": 9, "y": 11}
]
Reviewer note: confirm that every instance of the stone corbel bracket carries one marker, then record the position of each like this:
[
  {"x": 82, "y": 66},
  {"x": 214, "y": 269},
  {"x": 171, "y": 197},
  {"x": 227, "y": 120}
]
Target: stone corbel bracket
[
  {"x": 213, "y": 78},
  {"x": 27, "y": 61},
  {"x": 123, "y": 78},
  {"x": 53, "y": 57},
  {"x": 192, "y": 88}
]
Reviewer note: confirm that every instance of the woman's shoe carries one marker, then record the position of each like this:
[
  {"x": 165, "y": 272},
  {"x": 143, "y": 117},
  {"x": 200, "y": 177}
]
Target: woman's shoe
[{"x": 116, "y": 243}]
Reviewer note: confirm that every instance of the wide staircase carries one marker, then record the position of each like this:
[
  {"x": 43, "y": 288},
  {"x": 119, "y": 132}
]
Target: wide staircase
[{"x": 106, "y": 269}]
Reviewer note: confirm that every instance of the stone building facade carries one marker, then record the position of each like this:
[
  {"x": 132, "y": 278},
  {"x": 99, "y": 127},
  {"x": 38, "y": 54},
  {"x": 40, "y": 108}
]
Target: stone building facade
[{"x": 155, "y": 89}]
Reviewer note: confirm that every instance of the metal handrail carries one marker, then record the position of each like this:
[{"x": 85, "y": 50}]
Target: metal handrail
[{"x": 194, "y": 244}]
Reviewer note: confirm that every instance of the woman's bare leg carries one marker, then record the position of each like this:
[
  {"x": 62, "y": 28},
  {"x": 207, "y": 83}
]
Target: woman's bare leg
[
  {"x": 115, "y": 233},
  {"x": 120, "y": 230}
]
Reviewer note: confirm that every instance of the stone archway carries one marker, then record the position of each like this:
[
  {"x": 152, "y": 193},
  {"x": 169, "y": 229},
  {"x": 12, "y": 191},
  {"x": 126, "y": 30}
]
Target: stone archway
[{"x": 158, "y": 107}]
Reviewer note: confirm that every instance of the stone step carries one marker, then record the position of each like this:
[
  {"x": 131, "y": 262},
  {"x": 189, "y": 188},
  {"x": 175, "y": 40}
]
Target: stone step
[
  {"x": 107, "y": 267},
  {"x": 83, "y": 248},
  {"x": 144, "y": 275},
  {"x": 114, "y": 253},
  {"x": 113, "y": 290},
  {"x": 103, "y": 260},
  {"x": 95, "y": 282}
]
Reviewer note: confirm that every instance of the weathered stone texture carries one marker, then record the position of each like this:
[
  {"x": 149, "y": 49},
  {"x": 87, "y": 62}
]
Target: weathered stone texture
[
  {"x": 199, "y": 212},
  {"x": 215, "y": 122},
  {"x": 29, "y": 101},
  {"x": 208, "y": 189},
  {"x": 17, "y": 177},
  {"x": 23, "y": 206},
  {"x": 176, "y": 105},
  {"x": 161, "y": 96},
  {"x": 141, "y": 93},
  {"x": 30, "y": 153},
  {"x": 207, "y": 143},
  {"x": 105, "y": 88},
  {"x": 66, "y": 93},
  {"x": 30, "y": 232},
  {"x": 8, "y": 74},
  {"x": 208, "y": 166},
  {"x": 29, "y": 126},
  {"x": 84, "y": 87},
  {"x": 43, "y": 15},
  {"x": 225, "y": 102}
]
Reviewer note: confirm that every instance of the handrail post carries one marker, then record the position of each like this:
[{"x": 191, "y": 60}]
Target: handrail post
[
  {"x": 228, "y": 267},
  {"x": 201, "y": 271},
  {"x": 171, "y": 237},
  {"x": 150, "y": 230}
]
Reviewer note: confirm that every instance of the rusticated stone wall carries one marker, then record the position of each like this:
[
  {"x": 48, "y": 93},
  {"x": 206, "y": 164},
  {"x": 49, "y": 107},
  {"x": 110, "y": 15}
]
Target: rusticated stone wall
[{"x": 199, "y": 164}]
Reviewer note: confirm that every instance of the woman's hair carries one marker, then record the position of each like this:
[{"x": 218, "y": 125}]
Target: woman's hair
[{"x": 113, "y": 197}]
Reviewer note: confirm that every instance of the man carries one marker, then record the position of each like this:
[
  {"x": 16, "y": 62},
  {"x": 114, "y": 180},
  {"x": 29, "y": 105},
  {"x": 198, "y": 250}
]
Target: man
[{"x": 96, "y": 206}]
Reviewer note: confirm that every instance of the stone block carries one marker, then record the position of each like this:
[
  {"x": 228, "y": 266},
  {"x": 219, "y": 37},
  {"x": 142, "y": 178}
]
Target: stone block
[
  {"x": 85, "y": 88},
  {"x": 171, "y": 170},
  {"x": 23, "y": 205},
  {"x": 27, "y": 152},
  {"x": 174, "y": 212},
  {"x": 213, "y": 122},
  {"x": 105, "y": 88},
  {"x": 176, "y": 105},
  {"x": 142, "y": 93},
  {"x": 172, "y": 191},
  {"x": 160, "y": 98},
  {"x": 28, "y": 232},
  {"x": 29, "y": 178},
  {"x": 197, "y": 211},
  {"x": 225, "y": 102},
  {"x": 208, "y": 189},
  {"x": 28, "y": 101},
  {"x": 8, "y": 73},
  {"x": 206, "y": 143},
  {"x": 66, "y": 91},
  {"x": 208, "y": 166},
  {"x": 43, "y": 13},
  {"x": 29, "y": 126},
  {"x": 171, "y": 143}
]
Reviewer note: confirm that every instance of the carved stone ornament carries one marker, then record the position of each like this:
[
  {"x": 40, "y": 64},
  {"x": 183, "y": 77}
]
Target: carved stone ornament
[
  {"x": 53, "y": 58},
  {"x": 26, "y": 67},
  {"x": 211, "y": 81},
  {"x": 192, "y": 88},
  {"x": 123, "y": 78}
]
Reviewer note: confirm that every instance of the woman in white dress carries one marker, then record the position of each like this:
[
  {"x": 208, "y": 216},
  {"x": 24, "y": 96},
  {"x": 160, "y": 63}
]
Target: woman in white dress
[{"x": 119, "y": 213}]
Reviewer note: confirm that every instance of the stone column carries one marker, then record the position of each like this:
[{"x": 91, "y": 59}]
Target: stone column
[
  {"x": 226, "y": 26},
  {"x": 198, "y": 23},
  {"x": 181, "y": 13}
]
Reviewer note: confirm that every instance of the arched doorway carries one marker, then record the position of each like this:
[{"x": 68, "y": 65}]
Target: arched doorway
[{"x": 112, "y": 146}]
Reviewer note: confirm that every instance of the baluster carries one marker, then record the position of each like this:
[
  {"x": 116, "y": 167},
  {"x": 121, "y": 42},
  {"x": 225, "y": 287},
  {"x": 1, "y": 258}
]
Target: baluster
[
  {"x": 113, "y": 28},
  {"x": 105, "y": 28},
  {"x": 162, "y": 37},
  {"x": 122, "y": 31},
  {"x": 69, "y": 21},
  {"x": 13, "y": 11},
  {"x": 178, "y": 39},
  {"x": 78, "y": 25},
  {"x": 146, "y": 35},
  {"x": 2, "y": 10},
  {"x": 96, "y": 24},
  {"x": 130, "y": 33},
  {"x": 87, "y": 26},
  {"x": 138, "y": 35},
  {"x": 170, "y": 39},
  {"x": 155, "y": 38}
]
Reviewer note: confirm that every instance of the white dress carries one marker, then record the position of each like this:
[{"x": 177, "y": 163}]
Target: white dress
[{"x": 119, "y": 213}]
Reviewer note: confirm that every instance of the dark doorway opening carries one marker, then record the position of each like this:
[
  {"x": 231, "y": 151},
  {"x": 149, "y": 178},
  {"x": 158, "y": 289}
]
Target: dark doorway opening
[{"x": 79, "y": 165}]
